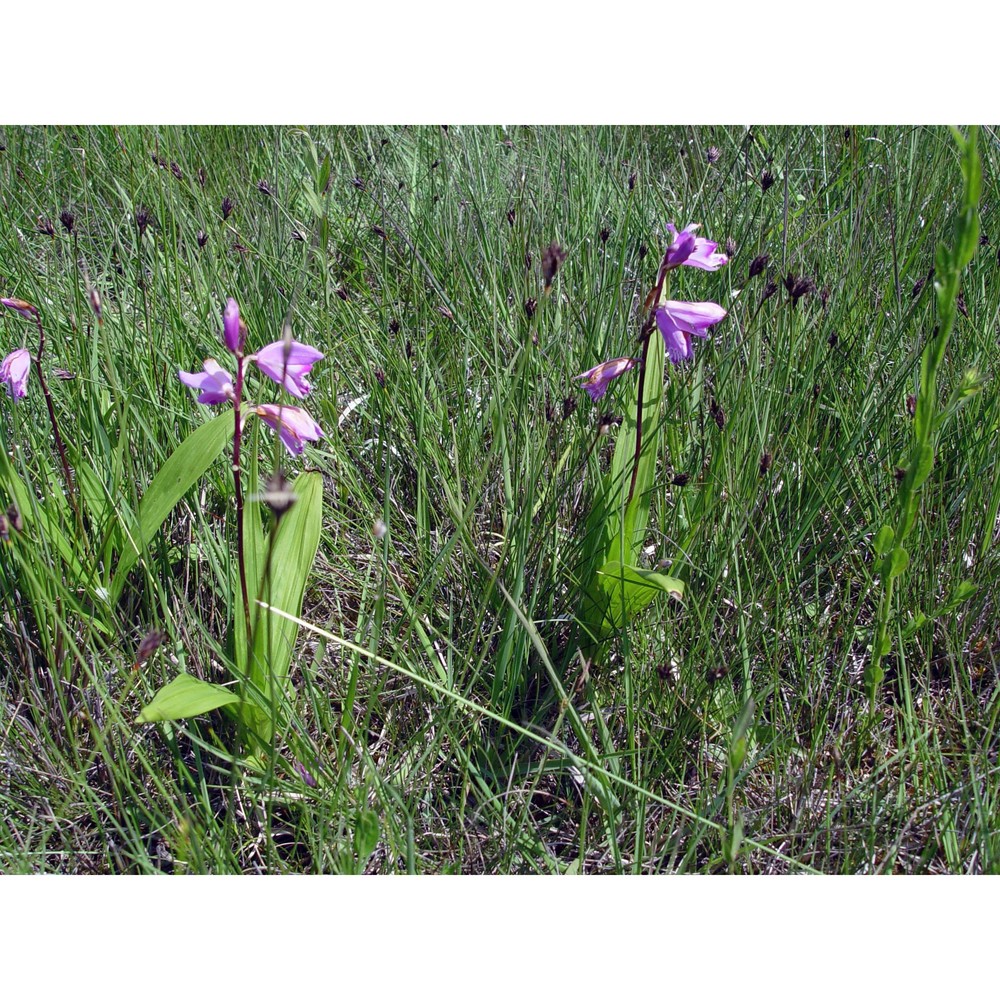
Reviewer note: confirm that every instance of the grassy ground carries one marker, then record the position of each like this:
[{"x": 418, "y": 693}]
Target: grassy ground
[{"x": 440, "y": 703}]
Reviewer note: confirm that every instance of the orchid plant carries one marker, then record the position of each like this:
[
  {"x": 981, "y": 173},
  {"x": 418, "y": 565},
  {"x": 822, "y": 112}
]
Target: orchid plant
[
  {"x": 614, "y": 585},
  {"x": 263, "y": 644}
]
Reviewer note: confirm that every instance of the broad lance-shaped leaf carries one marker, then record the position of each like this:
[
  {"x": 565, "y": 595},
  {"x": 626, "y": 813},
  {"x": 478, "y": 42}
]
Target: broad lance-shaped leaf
[
  {"x": 179, "y": 473},
  {"x": 185, "y": 697},
  {"x": 629, "y": 589},
  {"x": 290, "y": 564}
]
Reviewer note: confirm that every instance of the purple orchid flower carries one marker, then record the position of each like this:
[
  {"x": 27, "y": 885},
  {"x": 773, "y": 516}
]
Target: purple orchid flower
[
  {"x": 294, "y": 426},
  {"x": 14, "y": 371},
  {"x": 232, "y": 327},
  {"x": 694, "y": 251},
  {"x": 596, "y": 379},
  {"x": 215, "y": 383},
  {"x": 678, "y": 321},
  {"x": 288, "y": 365}
]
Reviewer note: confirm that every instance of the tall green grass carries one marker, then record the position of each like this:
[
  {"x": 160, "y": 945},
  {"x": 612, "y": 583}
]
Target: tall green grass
[{"x": 439, "y": 700}]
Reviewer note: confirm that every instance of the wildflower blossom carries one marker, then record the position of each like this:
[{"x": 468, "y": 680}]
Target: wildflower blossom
[
  {"x": 694, "y": 251},
  {"x": 14, "y": 370},
  {"x": 678, "y": 321},
  {"x": 596, "y": 379},
  {"x": 288, "y": 365},
  {"x": 215, "y": 383},
  {"x": 294, "y": 426}
]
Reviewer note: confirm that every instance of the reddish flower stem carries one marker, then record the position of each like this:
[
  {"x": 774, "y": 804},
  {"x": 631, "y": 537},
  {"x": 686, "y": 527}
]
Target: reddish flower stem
[{"x": 238, "y": 485}]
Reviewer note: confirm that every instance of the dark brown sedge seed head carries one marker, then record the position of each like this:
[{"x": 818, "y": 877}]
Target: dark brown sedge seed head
[
  {"x": 552, "y": 259},
  {"x": 530, "y": 306},
  {"x": 67, "y": 219}
]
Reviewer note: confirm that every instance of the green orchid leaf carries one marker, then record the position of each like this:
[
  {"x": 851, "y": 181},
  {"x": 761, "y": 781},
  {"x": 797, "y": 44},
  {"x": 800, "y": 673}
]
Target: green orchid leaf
[{"x": 185, "y": 697}]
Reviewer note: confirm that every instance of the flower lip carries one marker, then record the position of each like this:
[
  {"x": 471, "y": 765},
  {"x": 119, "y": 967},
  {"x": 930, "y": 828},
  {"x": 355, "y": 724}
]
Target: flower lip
[
  {"x": 14, "y": 371},
  {"x": 215, "y": 383},
  {"x": 294, "y": 426},
  {"x": 597, "y": 379},
  {"x": 288, "y": 365}
]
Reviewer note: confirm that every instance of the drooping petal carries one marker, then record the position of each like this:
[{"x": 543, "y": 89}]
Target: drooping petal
[
  {"x": 231, "y": 326},
  {"x": 215, "y": 383},
  {"x": 294, "y": 426},
  {"x": 288, "y": 365},
  {"x": 677, "y": 343},
  {"x": 14, "y": 371},
  {"x": 597, "y": 379}
]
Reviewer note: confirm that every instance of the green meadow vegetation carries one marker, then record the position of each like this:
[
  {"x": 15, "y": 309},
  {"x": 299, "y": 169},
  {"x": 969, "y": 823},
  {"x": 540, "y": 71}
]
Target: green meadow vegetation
[{"x": 740, "y": 618}]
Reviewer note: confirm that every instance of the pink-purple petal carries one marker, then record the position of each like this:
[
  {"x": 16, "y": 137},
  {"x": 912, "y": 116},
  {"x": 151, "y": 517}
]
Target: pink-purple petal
[
  {"x": 214, "y": 383},
  {"x": 14, "y": 372},
  {"x": 294, "y": 426},
  {"x": 231, "y": 326},
  {"x": 288, "y": 365}
]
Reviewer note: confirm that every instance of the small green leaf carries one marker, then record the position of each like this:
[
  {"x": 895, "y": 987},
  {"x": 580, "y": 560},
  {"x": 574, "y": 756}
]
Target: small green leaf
[
  {"x": 366, "y": 832},
  {"x": 184, "y": 697},
  {"x": 883, "y": 540},
  {"x": 895, "y": 562}
]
